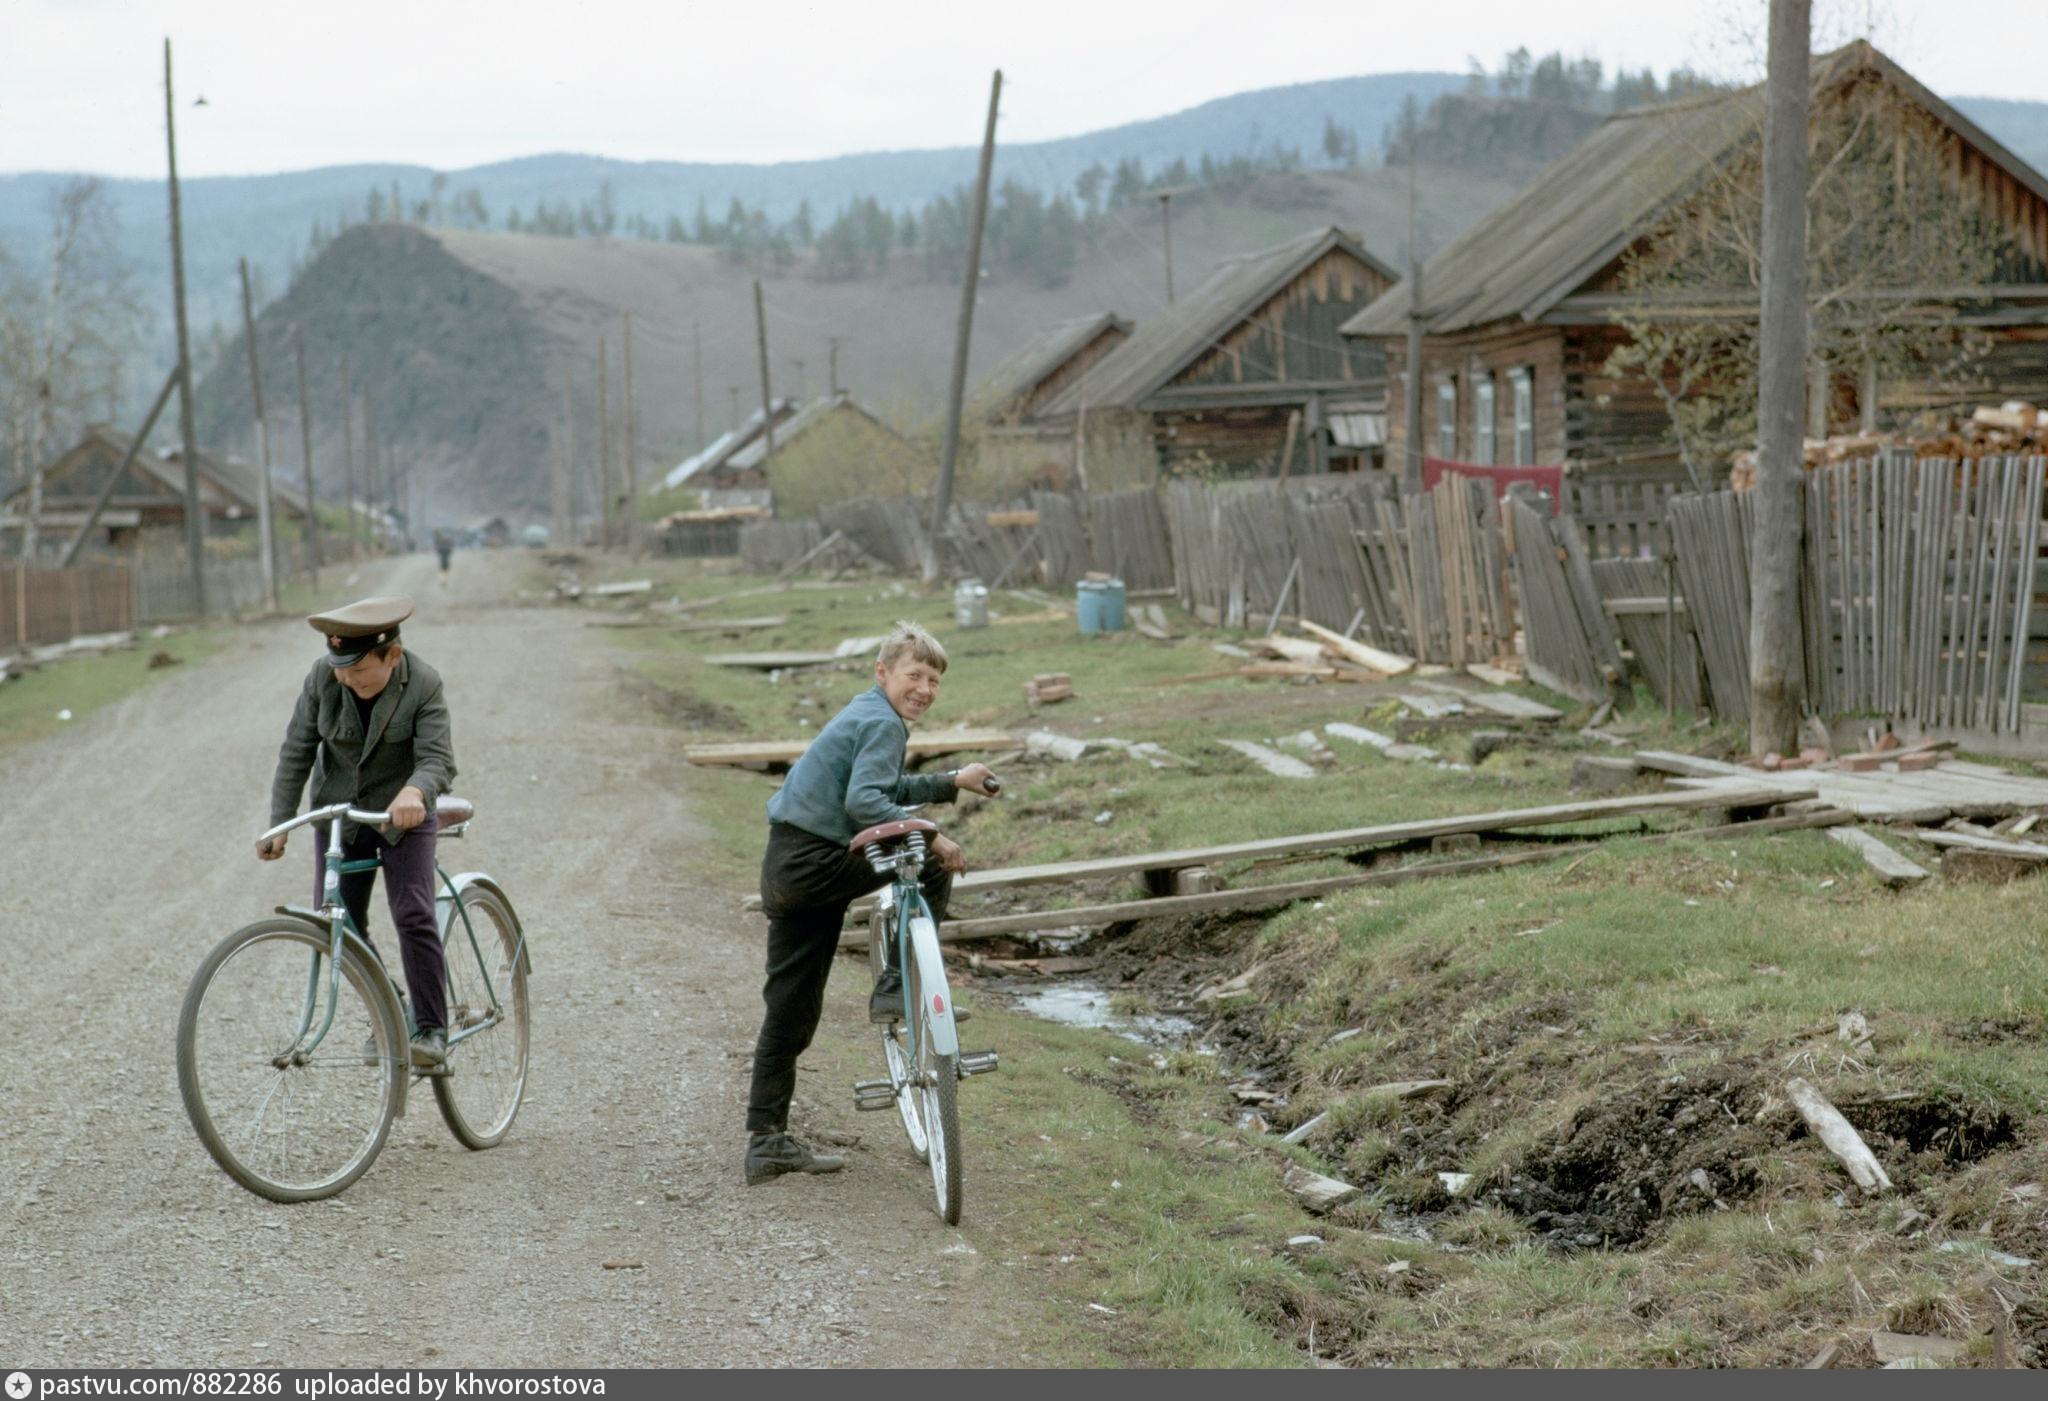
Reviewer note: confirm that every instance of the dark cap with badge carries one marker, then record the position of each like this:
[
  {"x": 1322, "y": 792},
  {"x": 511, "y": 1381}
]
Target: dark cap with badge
[{"x": 360, "y": 628}]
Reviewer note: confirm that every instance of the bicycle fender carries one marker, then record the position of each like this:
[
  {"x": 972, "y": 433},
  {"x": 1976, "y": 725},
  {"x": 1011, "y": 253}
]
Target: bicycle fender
[
  {"x": 931, "y": 973},
  {"x": 477, "y": 880}
]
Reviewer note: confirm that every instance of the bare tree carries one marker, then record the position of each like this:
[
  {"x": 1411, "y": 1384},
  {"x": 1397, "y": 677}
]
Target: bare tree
[
  {"x": 64, "y": 331},
  {"x": 1891, "y": 240}
]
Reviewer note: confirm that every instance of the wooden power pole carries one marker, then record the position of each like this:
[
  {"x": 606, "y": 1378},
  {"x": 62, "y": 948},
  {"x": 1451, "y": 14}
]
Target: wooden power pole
[
  {"x": 629, "y": 525},
  {"x": 767, "y": 401},
  {"x": 949, "y": 453},
  {"x": 832, "y": 364},
  {"x": 563, "y": 463},
  {"x": 195, "y": 522},
  {"x": 697, "y": 362},
  {"x": 266, "y": 515},
  {"x": 604, "y": 450},
  {"x": 306, "y": 455},
  {"x": 1411, "y": 389},
  {"x": 1777, "y": 677}
]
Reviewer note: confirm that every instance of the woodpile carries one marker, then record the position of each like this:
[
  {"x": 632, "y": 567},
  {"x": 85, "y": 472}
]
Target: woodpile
[
  {"x": 1047, "y": 688},
  {"x": 1989, "y": 430}
]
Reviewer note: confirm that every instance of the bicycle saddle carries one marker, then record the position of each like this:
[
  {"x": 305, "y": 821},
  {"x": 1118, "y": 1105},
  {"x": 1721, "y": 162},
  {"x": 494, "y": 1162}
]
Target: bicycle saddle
[
  {"x": 453, "y": 812},
  {"x": 890, "y": 831}
]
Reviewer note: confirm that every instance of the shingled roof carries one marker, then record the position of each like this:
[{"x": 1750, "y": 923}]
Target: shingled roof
[
  {"x": 1164, "y": 346},
  {"x": 787, "y": 431},
  {"x": 1590, "y": 205},
  {"x": 1037, "y": 359}
]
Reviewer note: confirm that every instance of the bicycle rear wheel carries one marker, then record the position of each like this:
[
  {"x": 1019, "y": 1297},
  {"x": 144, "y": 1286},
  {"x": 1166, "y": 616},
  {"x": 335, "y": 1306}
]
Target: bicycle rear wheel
[
  {"x": 289, "y": 1123},
  {"x": 936, "y": 1087},
  {"x": 487, "y": 1022}
]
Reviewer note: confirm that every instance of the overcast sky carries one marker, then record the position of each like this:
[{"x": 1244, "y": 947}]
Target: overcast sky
[{"x": 292, "y": 84}]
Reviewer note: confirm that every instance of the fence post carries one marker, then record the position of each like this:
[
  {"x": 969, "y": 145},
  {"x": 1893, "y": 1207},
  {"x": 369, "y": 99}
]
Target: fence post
[
  {"x": 71, "y": 584},
  {"x": 21, "y": 604}
]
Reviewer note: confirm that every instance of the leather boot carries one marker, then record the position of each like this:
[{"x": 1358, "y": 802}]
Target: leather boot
[{"x": 770, "y": 1155}]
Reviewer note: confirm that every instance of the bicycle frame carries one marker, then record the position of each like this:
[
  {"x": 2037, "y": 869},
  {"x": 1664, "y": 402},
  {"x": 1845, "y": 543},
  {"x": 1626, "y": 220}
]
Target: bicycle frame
[{"x": 907, "y": 900}]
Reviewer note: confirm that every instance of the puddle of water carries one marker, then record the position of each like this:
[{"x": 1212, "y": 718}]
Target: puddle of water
[{"x": 1072, "y": 1003}]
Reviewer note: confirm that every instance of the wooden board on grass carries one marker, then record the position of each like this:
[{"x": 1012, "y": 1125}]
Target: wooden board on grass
[{"x": 919, "y": 746}]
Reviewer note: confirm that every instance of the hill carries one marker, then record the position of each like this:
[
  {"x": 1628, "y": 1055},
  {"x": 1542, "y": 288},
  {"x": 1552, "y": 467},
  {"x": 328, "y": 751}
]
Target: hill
[{"x": 462, "y": 339}]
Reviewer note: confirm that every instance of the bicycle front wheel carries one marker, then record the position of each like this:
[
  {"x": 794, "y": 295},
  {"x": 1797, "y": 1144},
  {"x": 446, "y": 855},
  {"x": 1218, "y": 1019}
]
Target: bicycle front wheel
[
  {"x": 936, "y": 1084},
  {"x": 285, "y": 1117},
  {"x": 487, "y": 1022}
]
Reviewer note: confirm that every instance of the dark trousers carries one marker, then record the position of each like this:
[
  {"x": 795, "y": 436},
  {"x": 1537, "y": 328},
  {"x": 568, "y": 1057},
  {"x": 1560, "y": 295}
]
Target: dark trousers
[
  {"x": 806, "y": 884},
  {"x": 409, "y": 893}
]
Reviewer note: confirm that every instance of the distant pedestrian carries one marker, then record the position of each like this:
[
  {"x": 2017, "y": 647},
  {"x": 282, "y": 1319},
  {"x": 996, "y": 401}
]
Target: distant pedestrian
[{"x": 444, "y": 546}]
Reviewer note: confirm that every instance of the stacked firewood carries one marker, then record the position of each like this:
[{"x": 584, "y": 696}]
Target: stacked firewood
[{"x": 2012, "y": 427}]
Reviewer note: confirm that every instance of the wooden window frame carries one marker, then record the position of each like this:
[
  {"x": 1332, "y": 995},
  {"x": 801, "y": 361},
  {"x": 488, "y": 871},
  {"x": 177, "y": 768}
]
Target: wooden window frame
[
  {"x": 1523, "y": 381},
  {"x": 1447, "y": 419},
  {"x": 1484, "y": 422}
]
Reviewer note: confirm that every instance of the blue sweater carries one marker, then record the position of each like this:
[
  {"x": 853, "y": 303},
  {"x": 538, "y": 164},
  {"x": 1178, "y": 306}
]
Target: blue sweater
[{"x": 852, "y": 778}]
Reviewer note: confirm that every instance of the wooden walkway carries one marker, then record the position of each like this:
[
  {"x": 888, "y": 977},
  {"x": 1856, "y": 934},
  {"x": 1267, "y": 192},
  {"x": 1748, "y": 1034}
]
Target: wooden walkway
[{"x": 1952, "y": 788}]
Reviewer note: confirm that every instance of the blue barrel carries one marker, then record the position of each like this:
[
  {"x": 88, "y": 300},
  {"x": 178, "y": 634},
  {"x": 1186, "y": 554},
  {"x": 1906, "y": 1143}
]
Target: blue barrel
[{"x": 1099, "y": 603}]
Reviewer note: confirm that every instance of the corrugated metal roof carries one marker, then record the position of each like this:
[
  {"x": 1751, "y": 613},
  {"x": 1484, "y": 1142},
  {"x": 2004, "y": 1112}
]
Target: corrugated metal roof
[
  {"x": 725, "y": 445},
  {"x": 1031, "y": 363},
  {"x": 795, "y": 426},
  {"x": 1588, "y": 206},
  {"x": 1162, "y": 347}
]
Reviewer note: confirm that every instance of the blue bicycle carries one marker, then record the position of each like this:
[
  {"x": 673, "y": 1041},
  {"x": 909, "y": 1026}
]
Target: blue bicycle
[
  {"x": 293, "y": 1043},
  {"x": 922, "y": 1047}
]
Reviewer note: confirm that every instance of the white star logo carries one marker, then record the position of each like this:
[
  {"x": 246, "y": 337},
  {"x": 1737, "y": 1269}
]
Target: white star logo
[{"x": 18, "y": 1385}]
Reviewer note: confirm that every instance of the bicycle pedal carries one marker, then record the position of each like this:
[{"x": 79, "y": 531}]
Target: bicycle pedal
[
  {"x": 977, "y": 1063},
  {"x": 873, "y": 1095}
]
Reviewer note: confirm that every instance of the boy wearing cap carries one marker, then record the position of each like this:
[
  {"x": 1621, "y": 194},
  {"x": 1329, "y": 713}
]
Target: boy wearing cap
[
  {"x": 849, "y": 778},
  {"x": 371, "y": 728}
]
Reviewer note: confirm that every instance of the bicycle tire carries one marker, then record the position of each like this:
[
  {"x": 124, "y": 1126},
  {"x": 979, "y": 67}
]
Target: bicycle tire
[
  {"x": 941, "y": 1117},
  {"x": 262, "y": 1007},
  {"x": 495, "y": 1058}
]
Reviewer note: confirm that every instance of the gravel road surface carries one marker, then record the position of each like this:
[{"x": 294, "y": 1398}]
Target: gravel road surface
[{"x": 125, "y": 853}]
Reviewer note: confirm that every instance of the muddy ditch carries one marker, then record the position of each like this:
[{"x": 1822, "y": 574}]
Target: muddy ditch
[{"x": 1656, "y": 1144}]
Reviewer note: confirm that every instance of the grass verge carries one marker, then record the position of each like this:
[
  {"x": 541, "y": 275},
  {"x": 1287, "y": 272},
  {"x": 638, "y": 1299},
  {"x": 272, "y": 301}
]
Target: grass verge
[{"x": 34, "y": 705}]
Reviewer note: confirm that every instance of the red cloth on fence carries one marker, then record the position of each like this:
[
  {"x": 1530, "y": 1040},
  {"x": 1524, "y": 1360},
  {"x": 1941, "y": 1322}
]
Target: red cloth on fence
[{"x": 1545, "y": 479}]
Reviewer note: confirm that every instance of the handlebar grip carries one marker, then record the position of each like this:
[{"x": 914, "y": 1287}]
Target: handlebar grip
[{"x": 992, "y": 785}]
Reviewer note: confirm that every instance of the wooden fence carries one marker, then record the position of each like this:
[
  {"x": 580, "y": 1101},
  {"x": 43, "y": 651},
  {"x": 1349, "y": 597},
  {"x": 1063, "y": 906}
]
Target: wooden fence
[
  {"x": 41, "y": 605},
  {"x": 1622, "y": 513}
]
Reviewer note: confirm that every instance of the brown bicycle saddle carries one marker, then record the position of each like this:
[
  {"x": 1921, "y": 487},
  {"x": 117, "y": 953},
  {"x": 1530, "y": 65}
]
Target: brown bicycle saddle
[{"x": 890, "y": 831}]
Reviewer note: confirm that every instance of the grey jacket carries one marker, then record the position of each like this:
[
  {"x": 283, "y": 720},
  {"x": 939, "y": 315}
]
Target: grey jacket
[
  {"x": 409, "y": 743},
  {"x": 851, "y": 777}
]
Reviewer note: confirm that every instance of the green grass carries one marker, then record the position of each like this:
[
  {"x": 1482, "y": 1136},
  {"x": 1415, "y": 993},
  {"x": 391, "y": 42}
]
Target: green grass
[
  {"x": 1545, "y": 993},
  {"x": 30, "y": 705}
]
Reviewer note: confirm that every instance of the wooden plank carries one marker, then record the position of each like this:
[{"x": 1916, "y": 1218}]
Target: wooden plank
[
  {"x": 919, "y": 746},
  {"x": 1272, "y": 896},
  {"x": 1890, "y": 867},
  {"x": 771, "y": 661},
  {"x": 2023, "y": 851},
  {"x": 1358, "y": 838},
  {"x": 731, "y": 624},
  {"x": 1390, "y": 663}
]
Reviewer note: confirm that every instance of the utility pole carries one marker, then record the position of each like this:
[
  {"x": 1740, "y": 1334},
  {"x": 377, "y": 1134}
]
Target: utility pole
[
  {"x": 1166, "y": 224},
  {"x": 266, "y": 522},
  {"x": 767, "y": 402},
  {"x": 348, "y": 459},
  {"x": 195, "y": 523},
  {"x": 697, "y": 364},
  {"x": 630, "y": 524},
  {"x": 306, "y": 455},
  {"x": 832, "y": 362},
  {"x": 373, "y": 498},
  {"x": 563, "y": 461},
  {"x": 733, "y": 392},
  {"x": 604, "y": 450},
  {"x": 802, "y": 391},
  {"x": 942, "y": 499},
  {"x": 1777, "y": 677},
  {"x": 1411, "y": 398}
]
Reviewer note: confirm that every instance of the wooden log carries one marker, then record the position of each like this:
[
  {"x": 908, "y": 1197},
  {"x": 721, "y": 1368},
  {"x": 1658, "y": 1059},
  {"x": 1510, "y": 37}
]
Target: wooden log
[
  {"x": 1890, "y": 867},
  {"x": 1838, "y": 1135}
]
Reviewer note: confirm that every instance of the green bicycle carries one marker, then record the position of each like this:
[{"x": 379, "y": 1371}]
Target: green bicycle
[
  {"x": 293, "y": 1044},
  {"x": 921, "y": 1048}
]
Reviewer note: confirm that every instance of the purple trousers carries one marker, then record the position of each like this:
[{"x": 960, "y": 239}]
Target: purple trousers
[{"x": 409, "y": 893}]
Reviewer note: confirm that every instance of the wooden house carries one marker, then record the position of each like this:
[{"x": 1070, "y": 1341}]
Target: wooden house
[
  {"x": 152, "y": 494},
  {"x": 709, "y": 469},
  {"x": 1013, "y": 447},
  {"x": 832, "y": 449},
  {"x": 1244, "y": 376},
  {"x": 1519, "y": 313}
]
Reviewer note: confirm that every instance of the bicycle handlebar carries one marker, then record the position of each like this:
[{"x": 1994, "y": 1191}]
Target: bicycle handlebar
[{"x": 344, "y": 810}]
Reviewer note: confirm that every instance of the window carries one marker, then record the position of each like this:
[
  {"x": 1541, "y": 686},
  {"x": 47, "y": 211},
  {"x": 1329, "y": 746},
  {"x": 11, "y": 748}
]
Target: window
[
  {"x": 1524, "y": 384},
  {"x": 1447, "y": 420},
  {"x": 1482, "y": 420}
]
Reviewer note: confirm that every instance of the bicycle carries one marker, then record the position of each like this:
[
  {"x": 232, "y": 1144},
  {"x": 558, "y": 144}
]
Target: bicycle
[
  {"x": 922, "y": 1048},
  {"x": 294, "y": 1042}
]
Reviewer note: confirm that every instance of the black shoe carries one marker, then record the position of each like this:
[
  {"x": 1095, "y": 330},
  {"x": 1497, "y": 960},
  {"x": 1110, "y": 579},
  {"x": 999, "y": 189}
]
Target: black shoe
[
  {"x": 772, "y": 1154},
  {"x": 885, "y": 1003},
  {"x": 429, "y": 1048}
]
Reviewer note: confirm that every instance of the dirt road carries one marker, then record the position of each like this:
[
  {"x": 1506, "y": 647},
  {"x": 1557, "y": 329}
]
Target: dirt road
[{"x": 125, "y": 854}]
